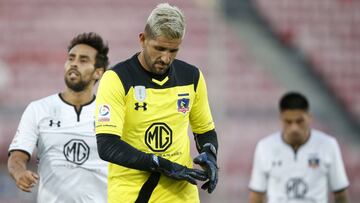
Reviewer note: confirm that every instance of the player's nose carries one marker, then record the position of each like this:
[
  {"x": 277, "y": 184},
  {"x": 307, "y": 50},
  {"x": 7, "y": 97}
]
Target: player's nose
[{"x": 166, "y": 57}]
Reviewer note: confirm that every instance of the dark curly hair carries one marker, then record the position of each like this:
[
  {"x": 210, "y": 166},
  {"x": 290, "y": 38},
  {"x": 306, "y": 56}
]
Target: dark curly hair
[
  {"x": 293, "y": 101},
  {"x": 94, "y": 40}
]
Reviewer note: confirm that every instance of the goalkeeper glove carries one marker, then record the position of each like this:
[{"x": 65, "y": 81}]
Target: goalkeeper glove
[
  {"x": 177, "y": 171},
  {"x": 207, "y": 160}
]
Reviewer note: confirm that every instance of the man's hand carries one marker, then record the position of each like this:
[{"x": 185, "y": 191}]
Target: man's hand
[
  {"x": 207, "y": 160},
  {"x": 26, "y": 180},
  {"x": 177, "y": 171}
]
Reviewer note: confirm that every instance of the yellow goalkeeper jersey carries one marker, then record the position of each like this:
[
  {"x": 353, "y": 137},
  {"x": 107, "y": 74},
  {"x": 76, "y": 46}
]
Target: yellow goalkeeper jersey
[{"x": 153, "y": 116}]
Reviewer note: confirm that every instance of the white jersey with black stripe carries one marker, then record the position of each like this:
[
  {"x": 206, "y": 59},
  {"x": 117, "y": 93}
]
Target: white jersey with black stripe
[
  {"x": 304, "y": 176},
  {"x": 69, "y": 166}
]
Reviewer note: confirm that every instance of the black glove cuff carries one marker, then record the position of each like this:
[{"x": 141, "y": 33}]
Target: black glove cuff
[
  {"x": 163, "y": 165},
  {"x": 207, "y": 137},
  {"x": 210, "y": 150}
]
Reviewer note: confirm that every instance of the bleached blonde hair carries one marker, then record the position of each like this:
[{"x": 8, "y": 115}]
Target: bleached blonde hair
[{"x": 165, "y": 20}]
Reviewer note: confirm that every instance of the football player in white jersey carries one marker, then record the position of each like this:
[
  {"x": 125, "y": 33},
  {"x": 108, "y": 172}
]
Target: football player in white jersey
[
  {"x": 298, "y": 164},
  {"x": 61, "y": 127}
]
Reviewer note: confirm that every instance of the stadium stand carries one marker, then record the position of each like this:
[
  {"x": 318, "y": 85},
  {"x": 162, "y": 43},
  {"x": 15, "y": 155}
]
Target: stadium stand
[{"x": 327, "y": 32}]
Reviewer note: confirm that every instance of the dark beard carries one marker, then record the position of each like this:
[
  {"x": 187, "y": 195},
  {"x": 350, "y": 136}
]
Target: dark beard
[
  {"x": 152, "y": 65},
  {"x": 76, "y": 87}
]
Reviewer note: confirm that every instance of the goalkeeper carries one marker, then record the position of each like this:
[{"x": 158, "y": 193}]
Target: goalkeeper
[{"x": 144, "y": 106}]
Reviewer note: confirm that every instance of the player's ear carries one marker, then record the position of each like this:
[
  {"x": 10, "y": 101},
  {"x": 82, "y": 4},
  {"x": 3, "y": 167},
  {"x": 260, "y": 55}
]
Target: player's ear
[
  {"x": 142, "y": 39},
  {"x": 98, "y": 73}
]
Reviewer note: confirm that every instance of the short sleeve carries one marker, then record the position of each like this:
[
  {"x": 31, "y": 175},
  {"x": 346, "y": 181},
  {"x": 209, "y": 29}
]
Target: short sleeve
[
  {"x": 258, "y": 180},
  {"x": 200, "y": 116},
  {"x": 26, "y": 136},
  {"x": 337, "y": 175},
  {"x": 110, "y": 105}
]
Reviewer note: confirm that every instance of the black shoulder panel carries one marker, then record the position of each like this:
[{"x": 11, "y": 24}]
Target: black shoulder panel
[
  {"x": 185, "y": 74},
  {"x": 121, "y": 69},
  {"x": 130, "y": 74}
]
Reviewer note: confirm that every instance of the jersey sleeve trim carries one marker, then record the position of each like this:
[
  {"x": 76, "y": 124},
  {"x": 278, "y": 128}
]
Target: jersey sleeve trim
[
  {"x": 20, "y": 150},
  {"x": 341, "y": 189},
  {"x": 256, "y": 190}
]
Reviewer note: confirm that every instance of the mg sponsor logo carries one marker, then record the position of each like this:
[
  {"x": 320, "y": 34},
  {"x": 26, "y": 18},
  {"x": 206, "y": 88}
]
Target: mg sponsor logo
[
  {"x": 296, "y": 188},
  {"x": 76, "y": 151},
  {"x": 158, "y": 137}
]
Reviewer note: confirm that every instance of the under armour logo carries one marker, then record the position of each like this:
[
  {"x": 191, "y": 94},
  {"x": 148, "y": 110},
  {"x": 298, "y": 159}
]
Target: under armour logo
[
  {"x": 52, "y": 123},
  {"x": 137, "y": 106}
]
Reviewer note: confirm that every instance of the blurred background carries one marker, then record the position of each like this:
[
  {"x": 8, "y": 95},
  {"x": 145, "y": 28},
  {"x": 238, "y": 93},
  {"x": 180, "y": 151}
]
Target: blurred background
[{"x": 251, "y": 52}]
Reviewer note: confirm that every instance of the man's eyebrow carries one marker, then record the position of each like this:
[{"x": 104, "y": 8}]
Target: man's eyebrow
[
  {"x": 81, "y": 56},
  {"x": 165, "y": 48},
  {"x": 84, "y": 56}
]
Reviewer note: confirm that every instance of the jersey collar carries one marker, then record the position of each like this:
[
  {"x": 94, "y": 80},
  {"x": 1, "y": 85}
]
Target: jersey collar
[
  {"x": 301, "y": 146},
  {"x": 157, "y": 79},
  {"x": 91, "y": 101}
]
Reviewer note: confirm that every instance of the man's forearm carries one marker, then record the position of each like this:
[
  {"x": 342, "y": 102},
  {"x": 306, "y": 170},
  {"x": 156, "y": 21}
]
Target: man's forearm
[
  {"x": 341, "y": 197},
  {"x": 112, "y": 149},
  {"x": 17, "y": 163},
  {"x": 341, "y": 200},
  {"x": 256, "y": 197}
]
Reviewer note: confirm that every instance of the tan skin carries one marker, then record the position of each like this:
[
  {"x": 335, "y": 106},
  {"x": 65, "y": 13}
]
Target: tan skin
[
  {"x": 157, "y": 53},
  {"x": 296, "y": 131},
  {"x": 79, "y": 67}
]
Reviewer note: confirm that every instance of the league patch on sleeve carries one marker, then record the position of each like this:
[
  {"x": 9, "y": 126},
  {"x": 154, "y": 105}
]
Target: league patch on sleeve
[{"x": 104, "y": 113}]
